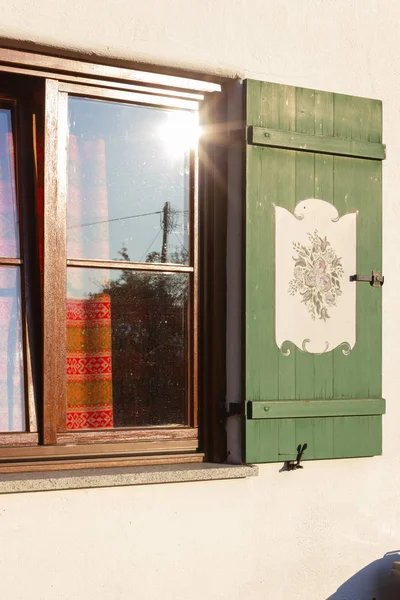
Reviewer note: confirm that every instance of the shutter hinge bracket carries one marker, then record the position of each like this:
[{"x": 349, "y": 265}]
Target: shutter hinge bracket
[
  {"x": 234, "y": 408},
  {"x": 231, "y": 410}
]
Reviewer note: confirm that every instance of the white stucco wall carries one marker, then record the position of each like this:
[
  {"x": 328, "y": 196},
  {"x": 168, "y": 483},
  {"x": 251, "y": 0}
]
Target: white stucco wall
[{"x": 297, "y": 536}]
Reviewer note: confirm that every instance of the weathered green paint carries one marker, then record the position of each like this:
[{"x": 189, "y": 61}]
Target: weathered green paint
[
  {"x": 276, "y": 440},
  {"x": 279, "y": 409},
  {"x": 264, "y": 136},
  {"x": 282, "y": 176}
]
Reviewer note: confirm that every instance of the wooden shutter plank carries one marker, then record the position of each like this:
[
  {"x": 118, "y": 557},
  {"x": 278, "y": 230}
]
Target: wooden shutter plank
[
  {"x": 275, "y": 138},
  {"x": 263, "y": 101},
  {"x": 324, "y": 113},
  {"x": 259, "y": 279},
  {"x": 327, "y": 437},
  {"x": 285, "y": 196},
  {"x": 320, "y": 441},
  {"x": 287, "y": 108},
  {"x": 358, "y": 187},
  {"x": 286, "y": 436},
  {"x": 357, "y": 436},
  {"x": 323, "y": 189},
  {"x": 305, "y": 185},
  {"x": 306, "y": 429},
  {"x": 358, "y": 118},
  {"x": 305, "y": 110},
  {"x": 278, "y": 409},
  {"x": 262, "y": 441},
  {"x": 370, "y": 223},
  {"x": 273, "y": 93},
  {"x": 374, "y": 122},
  {"x": 345, "y": 384},
  {"x": 281, "y": 191}
]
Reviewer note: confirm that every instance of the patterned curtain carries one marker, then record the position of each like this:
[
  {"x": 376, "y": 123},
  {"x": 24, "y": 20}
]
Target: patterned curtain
[
  {"x": 12, "y": 411},
  {"x": 89, "y": 342}
]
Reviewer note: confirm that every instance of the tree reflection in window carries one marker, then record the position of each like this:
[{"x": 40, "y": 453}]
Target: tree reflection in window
[{"x": 149, "y": 354}]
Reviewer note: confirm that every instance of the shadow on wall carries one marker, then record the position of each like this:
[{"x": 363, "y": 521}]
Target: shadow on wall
[{"x": 373, "y": 582}]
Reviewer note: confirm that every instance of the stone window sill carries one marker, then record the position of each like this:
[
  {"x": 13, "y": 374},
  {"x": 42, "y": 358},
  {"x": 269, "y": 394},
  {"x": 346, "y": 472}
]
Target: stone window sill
[{"x": 116, "y": 477}]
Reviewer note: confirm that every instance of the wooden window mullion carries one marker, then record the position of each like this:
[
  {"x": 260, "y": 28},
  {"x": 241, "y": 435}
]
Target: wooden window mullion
[
  {"x": 54, "y": 277},
  {"x": 30, "y": 291}
]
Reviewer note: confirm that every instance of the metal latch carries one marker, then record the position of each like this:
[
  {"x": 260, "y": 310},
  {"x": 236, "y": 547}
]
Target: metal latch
[
  {"x": 293, "y": 465},
  {"x": 376, "y": 279}
]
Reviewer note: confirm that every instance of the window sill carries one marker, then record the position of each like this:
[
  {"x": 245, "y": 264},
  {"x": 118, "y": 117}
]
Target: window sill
[{"x": 117, "y": 477}]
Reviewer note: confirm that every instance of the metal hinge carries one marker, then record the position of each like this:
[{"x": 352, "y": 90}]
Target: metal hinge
[
  {"x": 233, "y": 409},
  {"x": 376, "y": 279}
]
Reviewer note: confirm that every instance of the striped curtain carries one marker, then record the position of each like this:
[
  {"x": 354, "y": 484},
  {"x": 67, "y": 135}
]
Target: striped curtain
[{"x": 89, "y": 341}]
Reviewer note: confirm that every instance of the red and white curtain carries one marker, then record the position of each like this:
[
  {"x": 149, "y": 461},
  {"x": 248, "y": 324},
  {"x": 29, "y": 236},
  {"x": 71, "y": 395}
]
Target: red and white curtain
[{"x": 89, "y": 340}]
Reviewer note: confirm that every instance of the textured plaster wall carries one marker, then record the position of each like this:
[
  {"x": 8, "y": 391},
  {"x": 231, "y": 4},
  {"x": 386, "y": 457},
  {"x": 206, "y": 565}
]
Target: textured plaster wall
[{"x": 298, "y": 536}]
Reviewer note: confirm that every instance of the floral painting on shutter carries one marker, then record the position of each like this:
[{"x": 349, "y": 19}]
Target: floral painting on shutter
[{"x": 315, "y": 257}]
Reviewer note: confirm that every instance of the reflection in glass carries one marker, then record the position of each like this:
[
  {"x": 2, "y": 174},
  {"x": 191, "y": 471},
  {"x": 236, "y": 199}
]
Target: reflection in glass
[
  {"x": 128, "y": 181},
  {"x": 126, "y": 348},
  {"x": 8, "y": 204},
  {"x": 12, "y": 410}
]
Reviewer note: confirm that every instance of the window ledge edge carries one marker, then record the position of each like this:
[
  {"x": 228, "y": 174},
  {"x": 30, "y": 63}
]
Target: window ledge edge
[{"x": 119, "y": 477}]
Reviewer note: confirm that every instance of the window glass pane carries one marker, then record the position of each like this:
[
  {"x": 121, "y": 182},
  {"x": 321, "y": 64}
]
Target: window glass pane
[
  {"x": 126, "y": 348},
  {"x": 12, "y": 410},
  {"x": 8, "y": 205},
  {"x": 128, "y": 181}
]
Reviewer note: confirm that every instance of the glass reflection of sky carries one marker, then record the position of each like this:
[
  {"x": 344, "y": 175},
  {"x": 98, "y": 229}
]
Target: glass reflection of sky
[
  {"x": 9, "y": 237},
  {"x": 12, "y": 400},
  {"x": 147, "y": 166}
]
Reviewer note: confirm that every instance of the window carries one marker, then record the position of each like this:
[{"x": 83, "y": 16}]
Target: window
[
  {"x": 101, "y": 283},
  {"x": 113, "y": 261}
]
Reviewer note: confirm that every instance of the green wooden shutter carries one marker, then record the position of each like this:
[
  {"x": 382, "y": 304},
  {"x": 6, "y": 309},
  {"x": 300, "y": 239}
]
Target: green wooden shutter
[{"x": 301, "y": 144}]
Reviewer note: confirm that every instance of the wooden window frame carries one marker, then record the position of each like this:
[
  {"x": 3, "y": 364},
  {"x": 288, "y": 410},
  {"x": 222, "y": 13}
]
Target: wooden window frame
[
  {"x": 52, "y": 448},
  {"x": 56, "y": 261}
]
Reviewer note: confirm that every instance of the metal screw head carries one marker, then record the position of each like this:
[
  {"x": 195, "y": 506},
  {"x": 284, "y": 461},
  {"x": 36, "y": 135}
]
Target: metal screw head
[{"x": 266, "y": 408}]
